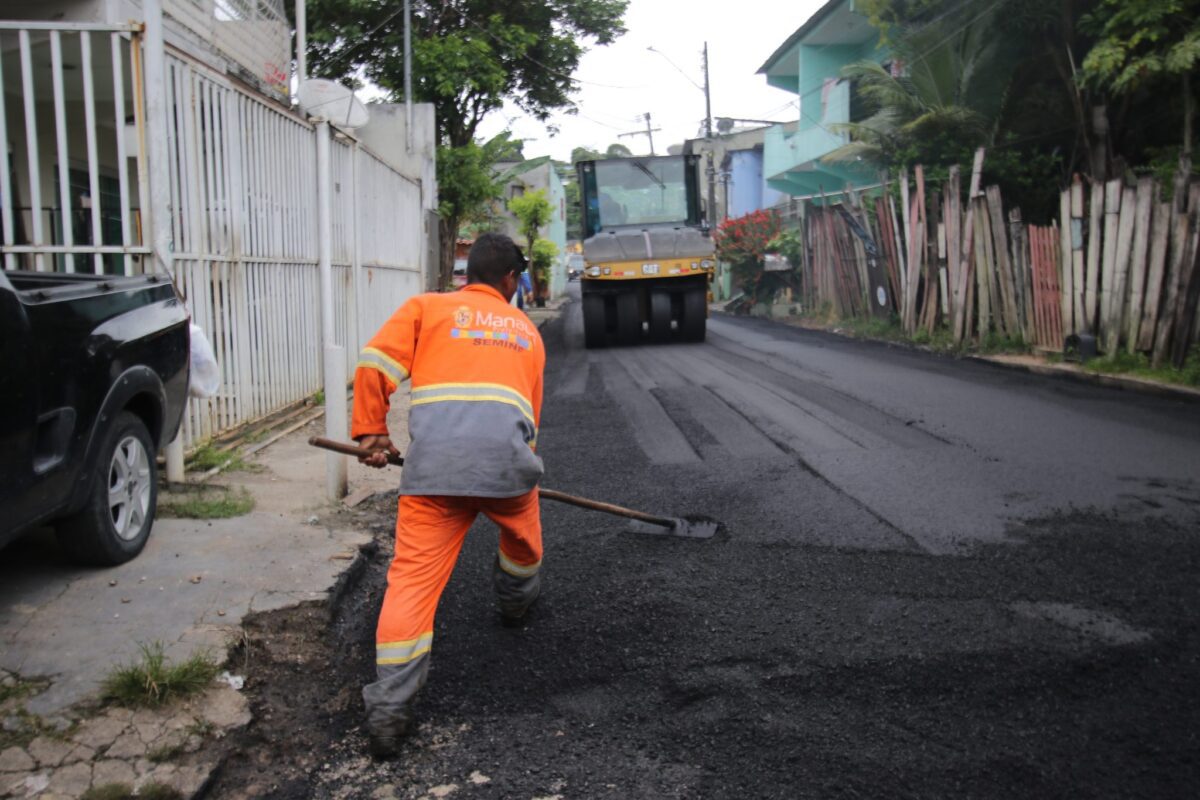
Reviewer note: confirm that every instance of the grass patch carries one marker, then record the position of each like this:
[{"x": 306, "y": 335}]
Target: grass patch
[
  {"x": 319, "y": 397},
  {"x": 123, "y": 791},
  {"x": 208, "y": 503},
  {"x": 1138, "y": 365},
  {"x": 151, "y": 682},
  {"x": 209, "y": 457}
]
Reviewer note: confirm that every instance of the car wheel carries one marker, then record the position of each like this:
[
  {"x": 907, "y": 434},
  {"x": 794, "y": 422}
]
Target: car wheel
[{"x": 115, "y": 523}]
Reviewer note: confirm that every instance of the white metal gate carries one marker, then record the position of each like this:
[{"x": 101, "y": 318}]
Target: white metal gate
[{"x": 75, "y": 194}]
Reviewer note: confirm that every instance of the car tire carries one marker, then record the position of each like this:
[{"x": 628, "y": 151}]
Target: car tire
[{"x": 115, "y": 523}]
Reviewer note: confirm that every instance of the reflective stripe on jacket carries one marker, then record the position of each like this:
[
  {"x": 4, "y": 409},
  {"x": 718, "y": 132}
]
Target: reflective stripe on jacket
[{"x": 476, "y": 366}]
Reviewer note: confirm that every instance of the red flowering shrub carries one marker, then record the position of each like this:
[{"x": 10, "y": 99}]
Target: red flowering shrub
[{"x": 741, "y": 241}]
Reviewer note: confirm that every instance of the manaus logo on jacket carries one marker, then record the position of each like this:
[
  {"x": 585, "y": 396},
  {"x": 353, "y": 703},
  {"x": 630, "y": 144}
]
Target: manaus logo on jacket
[{"x": 462, "y": 316}]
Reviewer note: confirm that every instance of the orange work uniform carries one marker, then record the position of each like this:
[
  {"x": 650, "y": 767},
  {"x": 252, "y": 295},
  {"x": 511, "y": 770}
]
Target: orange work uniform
[{"x": 476, "y": 366}]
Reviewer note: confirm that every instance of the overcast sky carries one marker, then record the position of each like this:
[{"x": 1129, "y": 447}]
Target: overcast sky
[{"x": 621, "y": 82}]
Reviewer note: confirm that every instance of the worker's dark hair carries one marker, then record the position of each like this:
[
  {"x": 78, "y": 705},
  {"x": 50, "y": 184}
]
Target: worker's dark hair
[{"x": 493, "y": 256}]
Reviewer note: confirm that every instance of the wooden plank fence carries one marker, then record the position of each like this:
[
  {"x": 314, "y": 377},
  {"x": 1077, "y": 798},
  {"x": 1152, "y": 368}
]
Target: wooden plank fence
[{"x": 1119, "y": 264}]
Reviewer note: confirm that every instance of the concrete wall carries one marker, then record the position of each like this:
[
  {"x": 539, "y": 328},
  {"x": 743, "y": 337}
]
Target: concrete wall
[{"x": 385, "y": 136}]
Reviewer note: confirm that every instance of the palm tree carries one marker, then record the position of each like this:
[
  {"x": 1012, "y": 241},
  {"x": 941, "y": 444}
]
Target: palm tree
[{"x": 947, "y": 86}]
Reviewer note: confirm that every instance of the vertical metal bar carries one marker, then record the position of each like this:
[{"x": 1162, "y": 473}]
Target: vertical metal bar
[
  {"x": 160, "y": 173},
  {"x": 89, "y": 115},
  {"x": 137, "y": 83},
  {"x": 356, "y": 281},
  {"x": 6, "y": 209},
  {"x": 122, "y": 157},
  {"x": 60, "y": 136}
]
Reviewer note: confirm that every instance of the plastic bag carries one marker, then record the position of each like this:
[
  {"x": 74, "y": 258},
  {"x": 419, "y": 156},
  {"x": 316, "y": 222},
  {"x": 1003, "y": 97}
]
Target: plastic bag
[{"x": 205, "y": 377}]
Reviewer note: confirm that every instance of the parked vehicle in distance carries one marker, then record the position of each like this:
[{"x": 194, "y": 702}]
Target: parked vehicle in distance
[
  {"x": 575, "y": 265},
  {"x": 460, "y": 273},
  {"x": 97, "y": 378}
]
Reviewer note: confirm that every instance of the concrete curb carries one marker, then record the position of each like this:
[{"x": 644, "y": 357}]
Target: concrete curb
[
  {"x": 1065, "y": 371},
  {"x": 1123, "y": 382}
]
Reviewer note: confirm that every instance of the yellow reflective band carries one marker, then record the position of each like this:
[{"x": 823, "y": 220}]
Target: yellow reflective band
[
  {"x": 403, "y": 652},
  {"x": 518, "y": 570},
  {"x": 375, "y": 351},
  {"x": 475, "y": 398},
  {"x": 380, "y": 368},
  {"x": 499, "y": 386}
]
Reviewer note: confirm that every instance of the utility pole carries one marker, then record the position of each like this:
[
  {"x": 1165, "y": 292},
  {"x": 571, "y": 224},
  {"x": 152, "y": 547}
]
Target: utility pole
[
  {"x": 712, "y": 186},
  {"x": 649, "y": 132}
]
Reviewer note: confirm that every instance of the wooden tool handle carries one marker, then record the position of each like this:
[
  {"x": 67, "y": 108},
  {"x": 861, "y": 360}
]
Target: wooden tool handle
[
  {"x": 607, "y": 508},
  {"x": 547, "y": 494},
  {"x": 351, "y": 450}
]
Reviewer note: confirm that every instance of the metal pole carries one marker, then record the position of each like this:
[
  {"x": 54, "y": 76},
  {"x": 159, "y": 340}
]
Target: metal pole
[
  {"x": 649, "y": 133},
  {"x": 408, "y": 105},
  {"x": 154, "y": 77},
  {"x": 301, "y": 42},
  {"x": 335, "y": 357},
  {"x": 712, "y": 188}
]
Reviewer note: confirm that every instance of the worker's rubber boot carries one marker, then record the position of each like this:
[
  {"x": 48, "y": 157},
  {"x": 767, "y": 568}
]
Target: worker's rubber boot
[
  {"x": 515, "y": 596},
  {"x": 385, "y": 743}
]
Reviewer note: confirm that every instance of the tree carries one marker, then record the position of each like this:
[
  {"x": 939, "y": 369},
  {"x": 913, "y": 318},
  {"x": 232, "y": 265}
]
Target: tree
[
  {"x": 1145, "y": 43},
  {"x": 532, "y": 211},
  {"x": 541, "y": 259},
  {"x": 469, "y": 56},
  {"x": 618, "y": 150}
]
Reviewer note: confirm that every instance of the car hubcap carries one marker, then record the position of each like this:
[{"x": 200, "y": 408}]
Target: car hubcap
[{"x": 129, "y": 488}]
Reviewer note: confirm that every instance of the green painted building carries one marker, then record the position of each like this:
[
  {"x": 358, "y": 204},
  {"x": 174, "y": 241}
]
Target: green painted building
[{"x": 809, "y": 64}]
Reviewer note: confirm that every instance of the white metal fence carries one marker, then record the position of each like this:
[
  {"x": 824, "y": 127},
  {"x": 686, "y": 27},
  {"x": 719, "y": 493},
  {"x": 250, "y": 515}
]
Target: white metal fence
[
  {"x": 244, "y": 223},
  {"x": 71, "y": 123},
  {"x": 243, "y": 207}
]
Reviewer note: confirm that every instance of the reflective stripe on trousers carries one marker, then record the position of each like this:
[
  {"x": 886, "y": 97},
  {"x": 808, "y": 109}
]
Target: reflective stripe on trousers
[{"x": 429, "y": 536}]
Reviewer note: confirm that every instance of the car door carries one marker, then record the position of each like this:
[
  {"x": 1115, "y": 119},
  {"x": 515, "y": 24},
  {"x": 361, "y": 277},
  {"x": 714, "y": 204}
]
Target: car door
[{"x": 18, "y": 414}]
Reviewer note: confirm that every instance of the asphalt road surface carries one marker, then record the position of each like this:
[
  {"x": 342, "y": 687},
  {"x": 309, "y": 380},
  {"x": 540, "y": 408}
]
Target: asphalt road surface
[{"x": 933, "y": 578}]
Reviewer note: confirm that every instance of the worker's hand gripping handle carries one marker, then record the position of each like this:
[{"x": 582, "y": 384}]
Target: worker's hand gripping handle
[{"x": 352, "y": 450}]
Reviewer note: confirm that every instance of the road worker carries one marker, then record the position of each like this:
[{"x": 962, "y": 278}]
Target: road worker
[{"x": 475, "y": 362}]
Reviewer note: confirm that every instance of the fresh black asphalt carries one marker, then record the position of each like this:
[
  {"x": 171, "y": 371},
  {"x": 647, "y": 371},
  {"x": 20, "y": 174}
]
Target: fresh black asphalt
[{"x": 933, "y": 579}]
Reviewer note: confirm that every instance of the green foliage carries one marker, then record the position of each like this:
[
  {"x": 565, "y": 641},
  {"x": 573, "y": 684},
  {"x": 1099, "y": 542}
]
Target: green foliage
[
  {"x": 571, "y": 196},
  {"x": 742, "y": 242},
  {"x": 541, "y": 259},
  {"x": 209, "y": 457},
  {"x": 1140, "y": 42},
  {"x": 1138, "y": 365},
  {"x": 206, "y": 503},
  {"x": 532, "y": 211},
  {"x": 151, "y": 682},
  {"x": 618, "y": 151},
  {"x": 467, "y": 177}
]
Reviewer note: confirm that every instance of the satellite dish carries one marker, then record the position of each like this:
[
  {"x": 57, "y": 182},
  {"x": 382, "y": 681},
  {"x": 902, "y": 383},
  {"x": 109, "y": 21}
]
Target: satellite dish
[
  {"x": 332, "y": 101},
  {"x": 724, "y": 125}
]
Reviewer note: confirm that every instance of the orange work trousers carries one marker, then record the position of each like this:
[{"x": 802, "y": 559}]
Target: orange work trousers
[{"x": 429, "y": 536}]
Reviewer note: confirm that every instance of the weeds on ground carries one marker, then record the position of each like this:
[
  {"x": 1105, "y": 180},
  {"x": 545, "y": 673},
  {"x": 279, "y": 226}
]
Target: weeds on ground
[
  {"x": 209, "y": 503},
  {"x": 208, "y": 457},
  {"x": 319, "y": 397},
  {"x": 123, "y": 791},
  {"x": 1138, "y": 365},
  {"x": 999, "y": 343},
  {"x": 151, "y": 682}
]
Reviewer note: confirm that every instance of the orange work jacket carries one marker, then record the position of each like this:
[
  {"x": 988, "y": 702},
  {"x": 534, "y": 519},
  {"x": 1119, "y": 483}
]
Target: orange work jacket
[{"x": 476, "y": 366}]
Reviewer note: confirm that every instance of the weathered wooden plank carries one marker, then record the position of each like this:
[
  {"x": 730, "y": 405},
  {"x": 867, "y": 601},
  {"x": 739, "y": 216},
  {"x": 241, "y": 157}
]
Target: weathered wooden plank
[
  {"x": 1068, "y": 274},
  {"x": 906, "y": 245},
  {"x": 1137, "y": 264},
  {"x": 1166, "y": 318},
  {"x": 961, "y": 322},
  {"x": 1095, "y": 246},
  {"x": 1188, "y": 303},
  {"x": 952, "y": 214},
  {"x": 1112, "y": 219},
  {"x": 1077, "y": 256},
  {"x": 1160, "y": 237},
  {"x": 985, "y": 261},
  {"x": 1004, "y": 272},
  {"x": 916, "y": 249},
  {"x": 1023, "y": 278},
  {"x": 1120, "y": 284}
]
